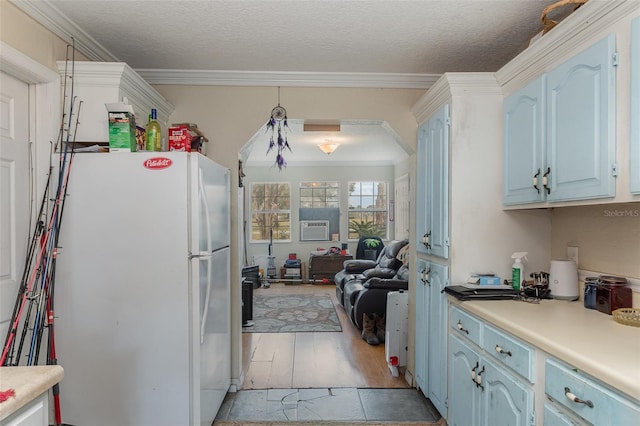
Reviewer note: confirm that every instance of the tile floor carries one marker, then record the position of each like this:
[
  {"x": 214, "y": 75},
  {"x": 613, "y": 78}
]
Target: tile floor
[{"x": 333, "y": 404}]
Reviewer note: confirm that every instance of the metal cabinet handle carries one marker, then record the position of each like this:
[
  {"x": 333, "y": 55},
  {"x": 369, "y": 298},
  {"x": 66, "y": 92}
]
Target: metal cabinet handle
[
  {"x": 535, "y": 181},
  {"x": 572, "y": 397},
  {"x": 473, "y": 373},
  {"x": 424, "y": 275},
  {"x": 425, "y": 240},
  {"x": 502, "y": 351},
  {"x": 479, "y": 379},
  {"x": 462, "y": 328},
  {"x": 545, "y": 180}
]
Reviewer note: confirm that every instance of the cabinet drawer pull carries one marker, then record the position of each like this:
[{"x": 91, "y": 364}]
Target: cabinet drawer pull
[
  {"x": 502, "y": 351},
  {"x": 473, "y": 373},
  {"x": 568, "y": 394},
  {"x": 425, "y": 240},
  {"x": 461, "y": 328},
  {"x": 479, "y": 379},
  {"x": 545, "y": 180},
  {"x": 535, "y": 181},
  {"x": 424, "y": 275}
]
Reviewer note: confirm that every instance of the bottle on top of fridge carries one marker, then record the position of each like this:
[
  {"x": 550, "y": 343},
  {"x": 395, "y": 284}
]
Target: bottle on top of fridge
[
  {"x": 153, "y": 133},
  {"x": 517, "y": 269}
]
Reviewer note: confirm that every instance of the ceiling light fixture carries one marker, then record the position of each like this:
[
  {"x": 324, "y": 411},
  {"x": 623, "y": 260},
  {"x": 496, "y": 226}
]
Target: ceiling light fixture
[{"x": 328, "y": 147}]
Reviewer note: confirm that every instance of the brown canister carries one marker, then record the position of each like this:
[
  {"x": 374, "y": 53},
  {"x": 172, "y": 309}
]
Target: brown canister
[{"x": 612, "y": 293}]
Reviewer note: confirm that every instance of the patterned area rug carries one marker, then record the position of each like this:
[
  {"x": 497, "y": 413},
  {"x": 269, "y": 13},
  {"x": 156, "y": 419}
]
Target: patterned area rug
[{"x": 291, "y": 313}]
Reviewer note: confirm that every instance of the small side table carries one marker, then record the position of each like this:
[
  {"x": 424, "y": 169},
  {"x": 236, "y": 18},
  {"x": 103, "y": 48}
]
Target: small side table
[{"x": 326, "y": 266}]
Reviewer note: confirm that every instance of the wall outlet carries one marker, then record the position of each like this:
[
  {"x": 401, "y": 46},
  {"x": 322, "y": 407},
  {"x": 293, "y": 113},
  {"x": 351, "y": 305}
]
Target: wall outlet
[{"x": 572, "y": 253}]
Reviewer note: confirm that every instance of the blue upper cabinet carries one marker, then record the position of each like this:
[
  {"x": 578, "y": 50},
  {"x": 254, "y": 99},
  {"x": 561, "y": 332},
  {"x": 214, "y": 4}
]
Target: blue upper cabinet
[
  {"x": 580, "y": 125},
  {"x": 524, "y": 158},
  {"x": 437, "y": 184},
  {"x": 421, "y": 194},
  {"x": 634, "y": 167},
  {"x": 432, "y": 221}
]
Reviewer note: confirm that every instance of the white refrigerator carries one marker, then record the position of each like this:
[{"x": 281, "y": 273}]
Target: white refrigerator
[{"x": 142, "y": 293}]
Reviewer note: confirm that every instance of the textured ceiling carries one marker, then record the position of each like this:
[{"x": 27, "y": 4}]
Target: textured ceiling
[
  {"x": 390, "y": 39},
  {"x": 377, "y": 36}
]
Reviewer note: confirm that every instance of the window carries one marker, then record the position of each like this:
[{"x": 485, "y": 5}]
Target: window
[
  {"x": 270, "y": 211},
  {"x": 368, "y": 209},
  {"x": 321, "y": 201},
  {"x": 319, "y": 195}
]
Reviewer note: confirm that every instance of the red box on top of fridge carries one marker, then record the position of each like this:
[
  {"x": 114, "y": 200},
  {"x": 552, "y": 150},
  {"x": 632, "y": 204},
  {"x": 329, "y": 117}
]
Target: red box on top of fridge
[
  {"x": 179, "y": 138},
  {"x": 186, "y": 137}
]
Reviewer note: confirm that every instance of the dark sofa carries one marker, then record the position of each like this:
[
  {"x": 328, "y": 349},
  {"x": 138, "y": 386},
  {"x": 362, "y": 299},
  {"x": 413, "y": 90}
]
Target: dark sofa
[{"x": 362, "y": 286}]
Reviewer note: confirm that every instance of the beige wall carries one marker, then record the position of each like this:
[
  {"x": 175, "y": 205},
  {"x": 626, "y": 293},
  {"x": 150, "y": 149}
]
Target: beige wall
[
  {"x": 26, "y": 35},
  {"x": 607, "y": 237}
]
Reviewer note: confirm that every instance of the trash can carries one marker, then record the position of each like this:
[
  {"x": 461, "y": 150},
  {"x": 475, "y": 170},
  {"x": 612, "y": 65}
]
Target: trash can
[
  {"x": 250, "y": 280},
  {"x": 247, "y": 303}
]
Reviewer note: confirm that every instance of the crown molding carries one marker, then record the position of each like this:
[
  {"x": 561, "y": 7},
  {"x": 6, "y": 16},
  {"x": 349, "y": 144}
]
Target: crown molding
[
  {"x": 563, "y": 40},
  {"x": 454, "y": 84},
  {"x": 288, "y": 79},
  {"x": 45, "y": 13}
]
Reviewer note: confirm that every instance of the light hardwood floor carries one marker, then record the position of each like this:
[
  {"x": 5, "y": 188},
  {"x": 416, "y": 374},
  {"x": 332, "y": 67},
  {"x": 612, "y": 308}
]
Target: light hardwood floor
[{"x": 314, "y": 360}]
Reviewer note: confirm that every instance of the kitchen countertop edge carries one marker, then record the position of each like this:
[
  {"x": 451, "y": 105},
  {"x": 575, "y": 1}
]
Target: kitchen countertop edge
[
  {"x": 28, "y": 382},
  {"x": 584, "y": 338}
]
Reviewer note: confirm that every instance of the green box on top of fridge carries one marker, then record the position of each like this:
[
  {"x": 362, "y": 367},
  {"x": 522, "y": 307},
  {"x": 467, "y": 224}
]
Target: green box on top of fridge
[{"x": 122, "y": 128}]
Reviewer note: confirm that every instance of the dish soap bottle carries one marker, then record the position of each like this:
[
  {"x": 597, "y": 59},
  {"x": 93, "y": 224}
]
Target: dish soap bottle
[
  {"x": 517, "y": 269},
  {"x": 153, "y": 133}
]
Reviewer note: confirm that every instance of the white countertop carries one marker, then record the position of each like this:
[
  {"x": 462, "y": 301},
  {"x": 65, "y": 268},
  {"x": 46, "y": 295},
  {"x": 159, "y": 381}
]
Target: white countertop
[
  {"x": 28, "y": 383},
  {"x": 585, "y": 338}
]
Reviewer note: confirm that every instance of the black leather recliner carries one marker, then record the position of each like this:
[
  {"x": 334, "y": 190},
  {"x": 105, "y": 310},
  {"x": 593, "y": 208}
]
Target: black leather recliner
[{"x": 377, "y": 277}]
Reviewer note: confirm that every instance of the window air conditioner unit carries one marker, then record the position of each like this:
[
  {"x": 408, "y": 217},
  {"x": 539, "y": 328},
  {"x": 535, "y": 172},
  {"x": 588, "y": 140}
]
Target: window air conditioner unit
[{"x": 314, "y": 230}]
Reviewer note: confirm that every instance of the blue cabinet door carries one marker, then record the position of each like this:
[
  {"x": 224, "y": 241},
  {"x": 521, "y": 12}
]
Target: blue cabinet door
[
  {"x": 422, "y": 326},
  {"x": 523, "y": 143},
  {"x": 505, "y": 399},
  {"x": 438, "y": 278},
  {"x": 464, "y": 395},
  {"x": 437, "y": 183},
  {"x": 580, "y": 96},
  {"x": 634, "y": 166},
  {"x": 421, "y": 192}
]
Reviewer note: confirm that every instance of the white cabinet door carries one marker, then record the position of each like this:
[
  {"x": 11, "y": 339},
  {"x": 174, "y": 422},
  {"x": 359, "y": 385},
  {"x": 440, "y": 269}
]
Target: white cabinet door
[
  {"x": 581, "y": 140},
  {"x": 524, "y": 159}
]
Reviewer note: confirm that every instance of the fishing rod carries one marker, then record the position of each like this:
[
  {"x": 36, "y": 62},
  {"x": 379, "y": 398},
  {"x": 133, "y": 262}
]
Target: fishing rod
[
  {"x": 46, "y": 301},
  {"x": 36, "y": 253}
]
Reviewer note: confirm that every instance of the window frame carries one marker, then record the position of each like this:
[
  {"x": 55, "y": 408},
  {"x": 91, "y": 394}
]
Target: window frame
[
  {"x": 372, "y": 210},
  {"x": 278, "y": 211}
]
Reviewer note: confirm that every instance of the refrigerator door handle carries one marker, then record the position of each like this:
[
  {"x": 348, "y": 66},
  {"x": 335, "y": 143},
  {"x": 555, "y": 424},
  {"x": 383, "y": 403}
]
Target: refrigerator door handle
[
  {"x": 200, "y": 255},
  {"x": 205, "y": 207},
  {"x": 207, "y": 299}
]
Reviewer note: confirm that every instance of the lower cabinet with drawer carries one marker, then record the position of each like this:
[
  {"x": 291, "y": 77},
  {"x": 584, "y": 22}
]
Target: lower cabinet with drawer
[
  {"x": 574, "y": 397},
  {"x": 490, "y": 375}
]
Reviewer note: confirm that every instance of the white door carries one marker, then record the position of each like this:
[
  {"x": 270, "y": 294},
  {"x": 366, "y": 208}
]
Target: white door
[{"x": 14, "y": 191}]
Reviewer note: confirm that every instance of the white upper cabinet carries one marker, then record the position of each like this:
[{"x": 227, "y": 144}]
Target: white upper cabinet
[
  {"x": 99, "y": 83},
  {"x": 634, "y": 166}
]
